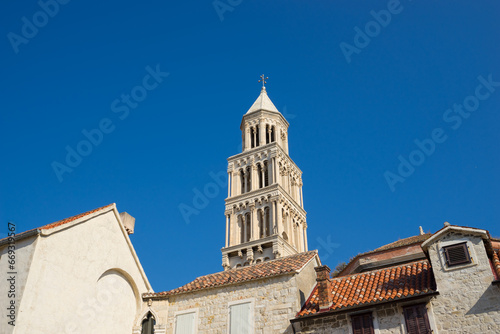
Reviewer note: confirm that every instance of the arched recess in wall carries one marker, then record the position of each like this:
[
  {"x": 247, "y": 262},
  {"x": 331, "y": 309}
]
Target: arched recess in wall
[{"x": 119, "y": 302}]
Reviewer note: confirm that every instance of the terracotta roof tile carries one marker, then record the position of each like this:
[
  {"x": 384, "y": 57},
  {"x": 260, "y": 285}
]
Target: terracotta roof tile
[
  {"x": 496, "y": 263},
  {"x": 23, "y": 234},
  {"x": 70, "y": 219},
  {"x": 405, "y": 242},
  {"x": 376, "y": 286},
  {"x": 284, "y": 265}
]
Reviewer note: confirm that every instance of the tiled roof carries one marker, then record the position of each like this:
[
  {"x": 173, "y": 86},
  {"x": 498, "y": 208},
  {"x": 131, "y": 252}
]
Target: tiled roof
[
  {"x": 416, "y": 239},
  {"x": 496, "y": 263},
  {"x": 405, "y": 242},
  {"x": 281, "y": 266},
  {"x": 34, "y": 231},
  {"x": 376, "y": 286},
  {"x": 70, "y": 219}
]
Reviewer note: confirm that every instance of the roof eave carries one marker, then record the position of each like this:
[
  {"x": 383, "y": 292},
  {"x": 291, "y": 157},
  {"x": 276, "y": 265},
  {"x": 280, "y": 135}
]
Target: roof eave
[{"x": 363, "y": 306}]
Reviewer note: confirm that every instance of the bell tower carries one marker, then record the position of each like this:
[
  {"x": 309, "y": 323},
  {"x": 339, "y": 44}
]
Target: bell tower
[{"x": 265, "y": 217}]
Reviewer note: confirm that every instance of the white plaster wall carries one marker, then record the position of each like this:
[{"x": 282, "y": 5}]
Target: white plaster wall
[
  {"x": 24, "y": 254},
  {"x": 66, "y": 289}
]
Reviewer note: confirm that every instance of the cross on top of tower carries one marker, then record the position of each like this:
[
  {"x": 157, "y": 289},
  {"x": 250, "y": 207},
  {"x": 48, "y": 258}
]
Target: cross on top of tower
[{"x": 263, "y": 80}]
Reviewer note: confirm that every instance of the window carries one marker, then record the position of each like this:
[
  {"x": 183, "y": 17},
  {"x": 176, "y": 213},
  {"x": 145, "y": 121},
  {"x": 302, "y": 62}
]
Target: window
[
  {"x": 457, "y": 254},
  {"x": 362, "y": 323},
  {"x": 416, "y": 319},
  {"x": 240, "y": 318},
  {"x": 148, "y": 324},
  {"x": 185, "y": 323}
]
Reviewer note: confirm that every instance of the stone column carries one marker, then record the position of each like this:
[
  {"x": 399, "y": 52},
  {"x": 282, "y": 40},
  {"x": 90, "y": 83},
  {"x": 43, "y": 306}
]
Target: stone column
[
  {"x": 262, "y": 133},
  {"x": 253, "y": 224},
  {"x": 301, "y": 196},
  {"x": 232, "y": 228},
  {"x": 244, "y": 222},
  {"x": 229, "y": 184},
  {"x": 245, "y": 177},
  {"x": 235, "y": 184},
  {"x": 271, "y": 218},
  {"x": 254, "y": 178},
  {"x": 262, "y": 172},
  {"x": 279, "y": 218},
  {"x": 305, "y": 238},
  {"x": 227, "y": 230},
  {"x": 254, "y": 133},
  {"x": 301, "y": 238},
  {"x": 270, "y": 168},
  {"x": 247, "y": 137}
]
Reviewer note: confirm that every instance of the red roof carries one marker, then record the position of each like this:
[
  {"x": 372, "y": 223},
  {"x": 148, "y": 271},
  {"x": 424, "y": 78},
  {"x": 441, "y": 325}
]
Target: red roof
[
  {"x": 376, "y": 286},
  {"x": 34, "y": 231},
  {"x": 405, "y": 242},
  {"x": 70, "y": 219},
  {"x": 496, "y": 263},
  {"x": 281, "y": 266}
]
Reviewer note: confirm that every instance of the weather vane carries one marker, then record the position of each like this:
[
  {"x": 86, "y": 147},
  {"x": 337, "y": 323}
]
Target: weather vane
[{"x": 263, "y": 80}]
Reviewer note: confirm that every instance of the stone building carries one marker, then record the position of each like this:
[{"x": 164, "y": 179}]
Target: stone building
[{"x": 446, "y": 282}]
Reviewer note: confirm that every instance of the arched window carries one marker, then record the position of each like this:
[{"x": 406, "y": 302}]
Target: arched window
[
  {"x": 242, "y": 179},
  {"x": 248, "y": 227},
  {"x": 266, "y": 222},
  {"x": 268, "y": 134},
  {"x": 261, "y": 224},
  {"x": 273, "y": 130},
  {"x": 148, "y": 324},
  {"x": 259, "y": 172},
  {"x": 252, "y": 138},
  {"x": 242, "y": 230},
  {"x": 266, "y": 174},
  {"x": 257, "y": 134}
]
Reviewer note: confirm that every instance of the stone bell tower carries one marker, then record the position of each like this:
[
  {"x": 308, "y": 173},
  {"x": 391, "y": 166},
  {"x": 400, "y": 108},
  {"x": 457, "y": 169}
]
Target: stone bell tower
[{"x": 265, "y": 218}]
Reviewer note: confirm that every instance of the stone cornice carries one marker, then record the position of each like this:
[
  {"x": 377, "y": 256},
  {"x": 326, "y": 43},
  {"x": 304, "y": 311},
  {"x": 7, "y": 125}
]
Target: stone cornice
[
  {"x": 272, "y": 192},
  {"x": 258, "y": 115}
]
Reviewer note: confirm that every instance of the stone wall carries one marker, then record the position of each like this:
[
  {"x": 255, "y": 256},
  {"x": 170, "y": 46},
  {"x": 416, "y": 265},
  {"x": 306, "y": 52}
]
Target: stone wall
[
  {"x": 275, "y": 300},
  {"x": 386, "y": 320},
  {"x": 467, "y": 299}
]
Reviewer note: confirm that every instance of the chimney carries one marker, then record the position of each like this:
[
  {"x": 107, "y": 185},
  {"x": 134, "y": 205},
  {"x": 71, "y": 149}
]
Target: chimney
[
  {"x": 324, "y": 287},
  {"x": 128, "y": 222}
]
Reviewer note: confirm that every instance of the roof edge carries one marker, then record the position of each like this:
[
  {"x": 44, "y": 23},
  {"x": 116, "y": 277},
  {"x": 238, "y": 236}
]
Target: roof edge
[
  {"x": 469, "y": 230},
  {"x": 363, "y": 306}
]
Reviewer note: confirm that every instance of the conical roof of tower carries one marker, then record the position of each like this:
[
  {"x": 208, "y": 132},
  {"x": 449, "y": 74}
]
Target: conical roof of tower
[{"x": 263, "y": 102}]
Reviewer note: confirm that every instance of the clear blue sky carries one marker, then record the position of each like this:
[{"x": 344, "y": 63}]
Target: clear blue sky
[{"x": 355, "y": 107}]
